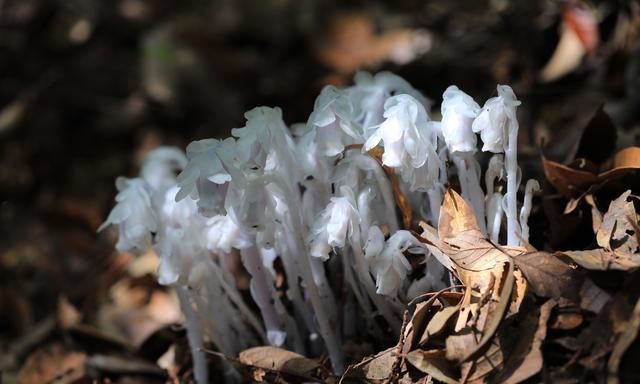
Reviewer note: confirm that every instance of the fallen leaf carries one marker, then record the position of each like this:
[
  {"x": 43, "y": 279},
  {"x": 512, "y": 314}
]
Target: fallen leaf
[
  {"x": 478, "y": 370},
  {"x": 373, "y": 369},
  {"x": 571, "y": 182},
  {"x": 603, "y": 260},
  {"x": 548, "y": 276},
  {"x": 434, "y": 363},
  {"x": 566, "y": 315},
  {"x": 439, "y": 321},
  {"x": 531, "y": 362},
  {"x": 278, "y": 359},
  {"x": 53, "y": 363},
  {"x": 624, "y": 341},
  {"x": 484, "y": 268},
  {"x": 596, "y": 215},
  {"x": 580, "y": 179},
  {"x": 617, "y": 232}
]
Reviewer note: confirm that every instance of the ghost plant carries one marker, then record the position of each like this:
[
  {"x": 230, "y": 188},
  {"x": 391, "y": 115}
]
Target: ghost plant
[{"x": 315, "y": 207}]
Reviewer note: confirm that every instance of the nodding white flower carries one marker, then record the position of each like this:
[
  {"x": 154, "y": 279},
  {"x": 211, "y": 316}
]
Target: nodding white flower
[
  {"x": 160, "y": 166},
  {"x": 390, "y": 266},
  {"x": 458, "y": 112},
  {"x": 133, "y": 214},
  {"x": 205, "y": 177},
  {"x": 174, "y": 264},
  {"x": 264, "y": 142},
  {"x": 498, "y": 116},
  {"x": 331, "y": 118},
  {"x": 403, "y": 132},
  {"x": 334, "y": 224},
  {"x": 222, "y": 235},
  {"x": 370, "y": 92},
  {"x": 180, "y": 234},
  {"x": 375, "y": 242}
]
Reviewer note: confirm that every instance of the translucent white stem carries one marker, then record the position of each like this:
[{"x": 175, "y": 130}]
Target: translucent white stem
[
  {"x": 326, "y": 325},
  {"x": 366, "y": 280},
  {"x": 470, "y": 185},
  {"x": 511, "y": 165},
  {"x": 531, "y": 187},
  {"x": 237, "y": 300},
  {"x": 435, "y": 201},
  {"x": 263, "y": 294},
  {"x": 194, "y": 335},
  {"x": 494, "y": 216}
]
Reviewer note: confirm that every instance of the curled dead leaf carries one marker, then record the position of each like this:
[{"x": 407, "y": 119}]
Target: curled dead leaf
[
  {"x": 580, "y": 179},
  {"x": 434, "y": 363},
  {"x": 278, "y": 359}
]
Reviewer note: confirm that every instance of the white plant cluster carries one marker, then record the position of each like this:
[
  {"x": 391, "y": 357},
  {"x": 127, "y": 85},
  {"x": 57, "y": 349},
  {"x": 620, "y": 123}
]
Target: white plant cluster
[{"x": 313, "y": 197}]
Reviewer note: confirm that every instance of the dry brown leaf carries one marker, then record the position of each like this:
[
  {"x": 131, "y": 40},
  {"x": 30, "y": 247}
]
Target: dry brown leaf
[
  {"x": 602, "y": 260},
  {"x": 484, "y": 268},
  {"x": 532, "y": 362},
  {"x": 573, "y": 182},
  {"x": 434, "y": 363},
  {"x": 623, "y": 343},
  {"x": 566, "y": 316},
  {"x": 548, "y": 276},
  {"x": 569, "y": 181},
  {"x": 278, "y": 359},
  {"x": 439, "y": 322},
  {"x": 374, "y": 369},
  {"x": 492, "y": 359},
  {"x": 596, "y": 215},
  {"x": 617, "y": 232},
  {"x": 53, "y": 363},
  {"x": 625, "y": 160},
  {"x": 618, "y": 237}
]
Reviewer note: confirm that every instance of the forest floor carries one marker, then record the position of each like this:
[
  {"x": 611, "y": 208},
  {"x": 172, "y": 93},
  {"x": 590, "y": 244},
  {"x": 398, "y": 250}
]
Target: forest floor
[{"x": 89, "y": 87}]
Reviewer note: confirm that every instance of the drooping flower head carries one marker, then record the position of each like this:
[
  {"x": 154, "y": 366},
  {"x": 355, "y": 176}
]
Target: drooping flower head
[
  {"x": 160, "y": 166},
  {"x": 334, "y": 224},
  {"x": 133, "y": 214},
  {"x": 387, "y": 260},
  {"x": 403, "y": 132},
  {"x": 331, "y": 120},
  {"x": 497, "y": 117},
  {"x": 370, "y": 92},
  {"x": 264, "y": 143},
  {"x": 205, "y": 177},
  {"x": 458, "y": 112}
]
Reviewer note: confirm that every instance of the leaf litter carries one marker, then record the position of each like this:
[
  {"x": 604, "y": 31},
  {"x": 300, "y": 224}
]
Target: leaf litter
[{"x": 544, "y": 298}]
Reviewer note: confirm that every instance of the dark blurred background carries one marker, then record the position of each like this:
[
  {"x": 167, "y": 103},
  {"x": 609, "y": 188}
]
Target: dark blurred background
[{"x": 87, "y": 87}]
